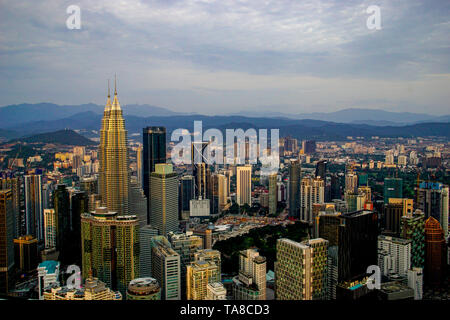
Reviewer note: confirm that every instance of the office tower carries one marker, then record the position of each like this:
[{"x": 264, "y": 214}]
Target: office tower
[
  {"x": 244, "y": 185},
  {"x": 329, "y": 223},
  {"x": 154, "y": 151},
  {"x": 61, "y": 204},
  {"x": 294, "y": 189},
  {"x": 351, "y": 183},
  {"x": 166, "y": 268},
  {"x": 79, "y": 205},
  {"x": 33, "y": 206},
  {"x": 358, "y": 242},
  {"x": 93, "y": 289},
  {"x": 332, "y": 272},
  {"x": 6, "y": 241},
  {"x": 50, "y": 222},
  {"x": 48, "y": 274},
  {"x": 139, "y": 169},
  {"x": 114, "y": 171},
  {"x": 8, "y": 181},
  {"x": 273, "y": 193},
  {"x": 432, "y": 199},
  {"x": 321, "y": 169},
  {"x": 394, "y": 255},
  {"x": 185, "y": 244},
  {"x": 138, "y": 203},
  {"x": 110, "y": 247},
  {"x": 146, "y": 234},
  {"x": 144, "y": 289},
  {"x": 301, "y": 269},
  {"x": 26, "y": 253},
  {"x": 335, "y": 187},
  {"x": 308, "y": 146},
  {"x": 413, "y": 228},
  {"x": 393, "y": 188},
  {"x": 216, "y": 291},
  {"x": 198, "y": 275},
  {"x": 222, "y": 191},
  {"x": 205, "y": 232},
  {"x": 186, "y": 195},
  {"x": 164, "y": 194},
  {"x": 312, "y": 191},
  {"x": 393, "y": 212},
  {"x": 435, "y": 252},
  {"x": 200, "y": 169},
  {"x": 415, "y": 281}
]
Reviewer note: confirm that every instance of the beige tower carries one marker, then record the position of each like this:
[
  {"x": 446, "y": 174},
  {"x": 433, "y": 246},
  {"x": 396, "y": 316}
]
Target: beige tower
[
  {"x": 113, "y": 154},
  {"x": 244, "y": 185}
]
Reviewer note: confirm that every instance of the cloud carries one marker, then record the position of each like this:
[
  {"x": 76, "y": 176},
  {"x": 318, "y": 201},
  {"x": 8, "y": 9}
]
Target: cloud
[{"x": 205, "y": 56}]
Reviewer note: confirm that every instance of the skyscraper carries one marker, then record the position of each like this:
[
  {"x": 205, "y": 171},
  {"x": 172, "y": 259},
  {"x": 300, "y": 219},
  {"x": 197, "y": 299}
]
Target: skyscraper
[
  {"x": 321, "y": 169},
  {"x": 185, "y": 244},
  {"x": 33, "y": 206},
  {"x": 273, "y": 193},
  {"x": 301, "y": 269},
  {"x": 198, "y": 275},
  {"x": 200, "y": 169},
  {"x": 114, "y": 171},
  {"x": 166, "y": 268},
  {"x": 154, "y": 151},
  {"x": 244, "y": 185},
  {"x": 164, "y": 194},
  {"x": 61, "y": 204},
  {"x": 8, "y": 181},
  {"x": 110, "y": 247},
  {"x": 294, "y": 189},
  {"x": 186, "y": 195},
  {"x": 393, "y": 188},
  {"x": 412, "y": 226},
  {"x": 78, "y": 206},
  {"x": 435, "y": 252},
  {"x": 433, "y": 200},
  {"x": 26, "y": 253},
  {"x": 394, "y": 255},
  {"x": 312, "y": 191},
  {"x": 6, "y": 241}
]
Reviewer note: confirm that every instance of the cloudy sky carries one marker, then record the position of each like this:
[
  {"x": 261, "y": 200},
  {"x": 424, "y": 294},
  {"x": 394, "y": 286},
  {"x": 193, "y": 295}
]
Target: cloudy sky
[{"x": 222, "y": 56}]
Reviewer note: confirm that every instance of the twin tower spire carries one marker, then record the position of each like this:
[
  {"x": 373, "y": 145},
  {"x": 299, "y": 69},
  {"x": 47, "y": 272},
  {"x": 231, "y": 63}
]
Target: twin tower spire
[{"x": 115, "y": 104}]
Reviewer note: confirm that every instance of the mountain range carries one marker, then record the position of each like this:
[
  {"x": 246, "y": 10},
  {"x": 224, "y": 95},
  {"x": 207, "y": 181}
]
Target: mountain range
[{"x": 30, "y": 119}]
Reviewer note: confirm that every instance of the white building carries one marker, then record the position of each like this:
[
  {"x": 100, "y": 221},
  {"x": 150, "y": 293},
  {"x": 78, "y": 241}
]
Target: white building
[
  {"x": 48, "y": 273},
  {"x": 394, "y": 255},
  {"x": 199, "y": 208},
  {"x": 415, "y": 281},
  {"x": 216, "y": 291}
]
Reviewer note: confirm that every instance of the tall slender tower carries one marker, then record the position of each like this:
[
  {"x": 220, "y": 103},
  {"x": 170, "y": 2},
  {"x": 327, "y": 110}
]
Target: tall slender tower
[{"x": 113, "y": 153}]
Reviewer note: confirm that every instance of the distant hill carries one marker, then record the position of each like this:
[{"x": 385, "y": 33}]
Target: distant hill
[
  {"x": 66, "y": 137},
  {"x": 14, "y": 115}
]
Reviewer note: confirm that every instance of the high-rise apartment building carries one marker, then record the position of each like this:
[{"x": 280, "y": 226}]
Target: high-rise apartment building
[
  {"x": 164, "y": 194},
  {"x": 166, "y": 268},
  {"x": 185, "y": 244},
  {"x": 394, "y": 255},
  {"x": 110, "y": 247},
  {"x": 412, "y": 226},
  {"x": 312, "y": 191},
  {"x": 301, "y": 269},
  {"x": 244, "y": 185},
  {"x": 250, "y": 283},
  {"x": 50, "y": 225},
  {"x": 198, "y": 275}
]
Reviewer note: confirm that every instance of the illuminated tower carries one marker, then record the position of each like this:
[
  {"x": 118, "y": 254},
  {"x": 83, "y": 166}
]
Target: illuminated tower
[
  {"x": 435, "y": 252},
  {"x": 113, "y": 154}
]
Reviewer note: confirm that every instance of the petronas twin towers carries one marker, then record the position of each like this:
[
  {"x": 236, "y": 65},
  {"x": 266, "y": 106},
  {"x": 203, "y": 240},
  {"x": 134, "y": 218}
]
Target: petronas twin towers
[{"x": 114, "y": 172}]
